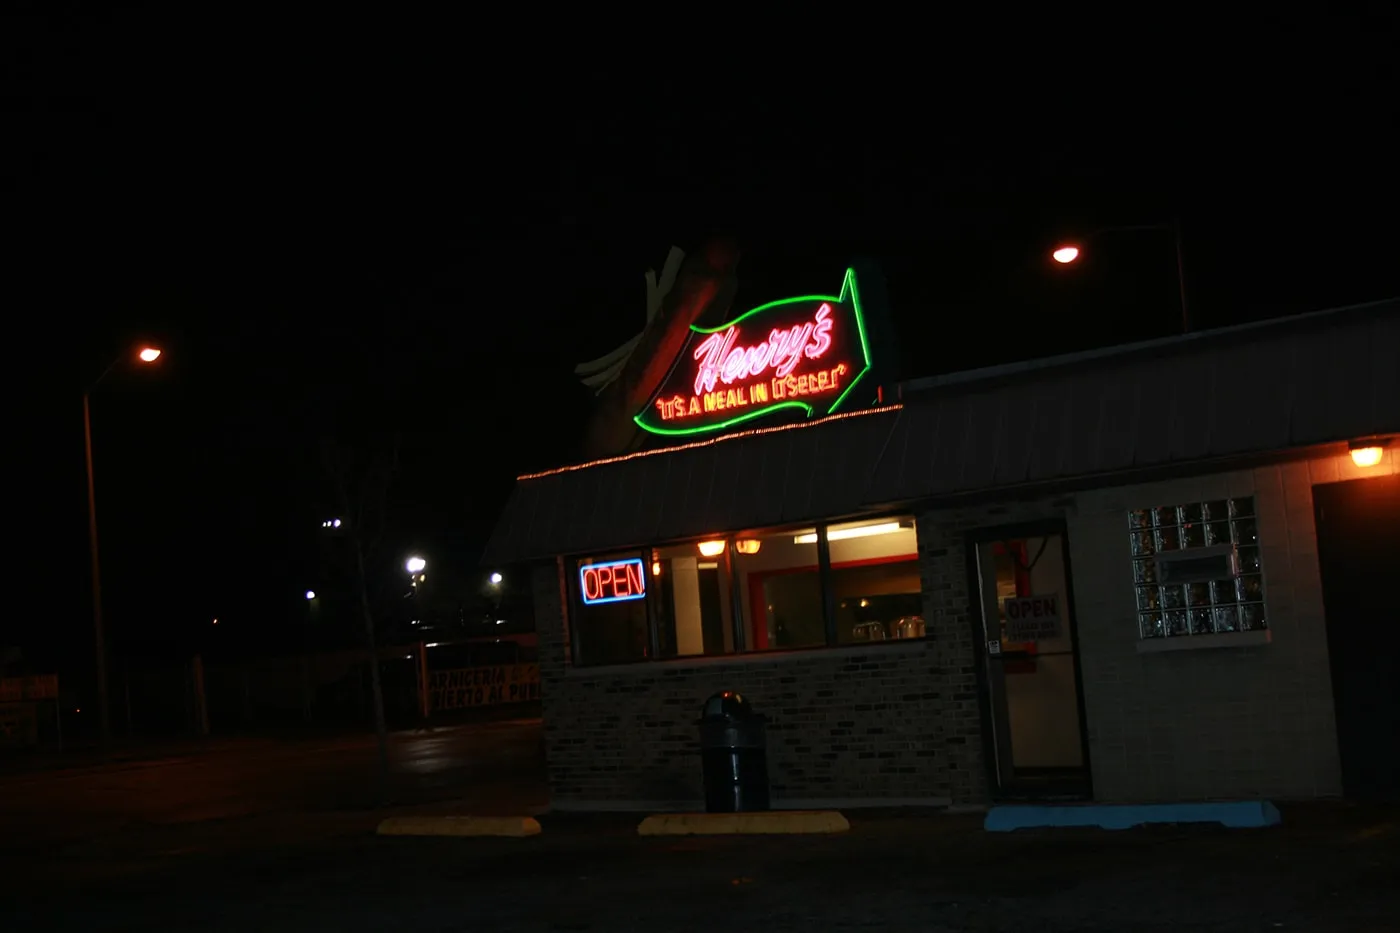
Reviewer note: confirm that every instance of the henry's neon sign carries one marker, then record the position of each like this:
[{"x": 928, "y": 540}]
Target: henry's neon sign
[
  {"x": 614, "y": 582},
  {"x": 721, "y": 361},
  {"x": 804, "y": 353}
]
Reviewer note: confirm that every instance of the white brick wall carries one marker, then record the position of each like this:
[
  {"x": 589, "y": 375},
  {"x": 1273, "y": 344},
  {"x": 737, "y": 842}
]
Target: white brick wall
[{"x": 1225, "y": 722}]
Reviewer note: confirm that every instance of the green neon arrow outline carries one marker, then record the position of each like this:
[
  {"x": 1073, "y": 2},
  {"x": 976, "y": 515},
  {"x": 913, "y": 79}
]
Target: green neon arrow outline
[{"x": 849, "y": 290}]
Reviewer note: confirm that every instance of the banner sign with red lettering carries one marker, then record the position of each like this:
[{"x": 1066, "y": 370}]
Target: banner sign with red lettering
[
  {"x": 802, "y": 354},
  {"x": 35, "y": 687},
  {"x": 1032, "y": 618},
  {"x": 615, "y": 581},
  {"x": 483, "y": 686}
]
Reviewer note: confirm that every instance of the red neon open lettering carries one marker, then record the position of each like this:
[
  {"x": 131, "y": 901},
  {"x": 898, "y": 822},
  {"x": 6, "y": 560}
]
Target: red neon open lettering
[{"x": 614, "y": 582}]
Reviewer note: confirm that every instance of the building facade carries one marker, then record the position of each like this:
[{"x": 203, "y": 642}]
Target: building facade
[{"x": 1142, "y": 574}]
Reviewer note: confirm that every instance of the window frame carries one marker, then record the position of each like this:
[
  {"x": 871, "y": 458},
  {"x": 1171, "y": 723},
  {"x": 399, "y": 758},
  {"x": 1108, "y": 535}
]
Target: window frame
[{"x": 741, "y": 624}]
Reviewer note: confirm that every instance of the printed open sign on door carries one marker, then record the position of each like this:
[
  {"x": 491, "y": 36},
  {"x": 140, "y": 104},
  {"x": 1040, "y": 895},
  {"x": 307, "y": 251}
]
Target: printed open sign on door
[{"x": 1032, "y": 618}]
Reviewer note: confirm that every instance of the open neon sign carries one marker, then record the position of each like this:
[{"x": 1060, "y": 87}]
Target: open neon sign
[
  {"x": 804, "y": 353},
  {"x": 614, "y": 582}
]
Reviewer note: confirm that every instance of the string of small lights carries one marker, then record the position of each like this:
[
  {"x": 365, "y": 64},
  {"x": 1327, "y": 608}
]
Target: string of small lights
[{"x": 708, "y": 442}]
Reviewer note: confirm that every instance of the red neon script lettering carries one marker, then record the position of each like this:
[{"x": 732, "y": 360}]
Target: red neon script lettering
[{"x": 721, "y": 361}]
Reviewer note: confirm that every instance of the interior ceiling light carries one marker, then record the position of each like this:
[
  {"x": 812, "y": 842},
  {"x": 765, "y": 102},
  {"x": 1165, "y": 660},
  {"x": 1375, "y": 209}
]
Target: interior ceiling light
[{"x": 841, "y": 534}]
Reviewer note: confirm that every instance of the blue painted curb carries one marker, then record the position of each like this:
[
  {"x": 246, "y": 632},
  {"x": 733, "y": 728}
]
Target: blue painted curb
[{"x": 1242, "y": 814}]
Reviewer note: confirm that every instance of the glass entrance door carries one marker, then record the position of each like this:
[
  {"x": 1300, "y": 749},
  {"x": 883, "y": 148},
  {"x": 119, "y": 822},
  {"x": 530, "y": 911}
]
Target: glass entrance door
[{"x": 1030, "y": 664}]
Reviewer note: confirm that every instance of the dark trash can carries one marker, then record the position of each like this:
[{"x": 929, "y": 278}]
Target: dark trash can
[{"x": 733, "y": 755}]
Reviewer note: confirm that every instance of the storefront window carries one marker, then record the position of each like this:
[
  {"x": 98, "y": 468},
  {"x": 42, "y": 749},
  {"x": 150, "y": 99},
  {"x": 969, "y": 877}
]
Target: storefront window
[
  {"x": 875, "y": 578},
  {"x": 610, "y": 622},
  {"x": 752, "y": 591},
  {"x": 693, "y": 604},
  {"x": 780, "y": 577}
]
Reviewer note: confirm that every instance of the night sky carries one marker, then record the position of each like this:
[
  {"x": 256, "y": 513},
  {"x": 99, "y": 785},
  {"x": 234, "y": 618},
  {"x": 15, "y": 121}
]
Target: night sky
[{"x": 405, "y": 238}]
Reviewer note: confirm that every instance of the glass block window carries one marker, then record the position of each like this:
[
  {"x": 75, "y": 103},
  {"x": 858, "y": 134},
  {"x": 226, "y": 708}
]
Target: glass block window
[{"x": 1235, "y": 604}]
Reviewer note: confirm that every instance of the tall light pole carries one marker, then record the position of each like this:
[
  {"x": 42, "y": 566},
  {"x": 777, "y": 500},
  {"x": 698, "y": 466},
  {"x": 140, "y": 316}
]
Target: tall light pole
[
  {"x": 1070, "y": 252},
  {"x": 144, "y": 355}
]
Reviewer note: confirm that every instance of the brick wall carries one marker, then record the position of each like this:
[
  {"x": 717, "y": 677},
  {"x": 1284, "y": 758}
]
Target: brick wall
[
  {"x": 845, "y": 723},
  {"x": 902, "y": 721}
]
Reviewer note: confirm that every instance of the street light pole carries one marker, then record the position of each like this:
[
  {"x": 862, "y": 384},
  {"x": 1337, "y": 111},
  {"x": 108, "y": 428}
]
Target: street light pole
[
  {"x": 99, "y": 637},
  {"x": 104, "y": 716},
  {"x": 1067, "y": 254},
  {"x": 1181, "y": 279}
]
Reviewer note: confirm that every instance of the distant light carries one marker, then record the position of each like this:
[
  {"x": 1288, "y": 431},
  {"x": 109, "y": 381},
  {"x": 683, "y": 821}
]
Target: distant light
[
  {"x": 1065, "y": 254},
  {"x": 432, "y": 644},
  {"x": 148, "y": 355},
  {"x": 496, "y": 579},
  {"x": 310, "y": 594},
  {"x": 1366, "y": 456},
  {"x": 415, "y": 564},
  {"x": 656, "y": 568},
  {"x": 336, "y": 523},
  {"x": 500, "y": 621},
  {"x": 216, "y": 621}
]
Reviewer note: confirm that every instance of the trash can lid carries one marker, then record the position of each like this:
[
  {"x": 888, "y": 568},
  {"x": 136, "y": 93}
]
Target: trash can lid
[{"x": 727, "y": 705}]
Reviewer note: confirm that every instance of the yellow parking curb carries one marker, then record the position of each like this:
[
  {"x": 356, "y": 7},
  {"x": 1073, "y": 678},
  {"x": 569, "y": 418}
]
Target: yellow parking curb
[
  {"x": 771, "y": 822},
  {"x": 517, "y": 826}
]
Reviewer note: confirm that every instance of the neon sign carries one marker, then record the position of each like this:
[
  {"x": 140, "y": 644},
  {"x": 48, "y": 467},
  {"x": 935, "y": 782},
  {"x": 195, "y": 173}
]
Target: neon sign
[
  {"x": 614, "y": 582},
  {"x": 804, "y": 353}
]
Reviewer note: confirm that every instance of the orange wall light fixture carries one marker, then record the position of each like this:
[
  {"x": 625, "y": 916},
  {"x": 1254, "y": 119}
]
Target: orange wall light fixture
[
  {"x": 711, "y": 548},
  {"x": 747, "y": 545},
  {"x": 1368, "y": 452}
]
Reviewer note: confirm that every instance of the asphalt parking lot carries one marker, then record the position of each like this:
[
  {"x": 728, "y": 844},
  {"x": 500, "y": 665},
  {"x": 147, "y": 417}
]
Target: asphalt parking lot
[{"x": 187, "y": 844}]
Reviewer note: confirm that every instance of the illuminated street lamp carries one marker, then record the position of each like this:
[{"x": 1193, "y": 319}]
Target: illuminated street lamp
[
  {"x": 310, "y": 594},
  {"x": 1069, "y": 253},
  {"x": 145, "y": 355},
  {"x": 415, "y": 565},
  {"x": 496, "y": 578}
]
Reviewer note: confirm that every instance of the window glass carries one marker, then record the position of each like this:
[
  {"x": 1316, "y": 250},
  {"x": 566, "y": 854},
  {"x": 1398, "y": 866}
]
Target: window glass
[
  {"x": 610, "y": 609},
  {"x": 692, "y": 602},
  {"x": 753, "y": 591},
  {"x": 1232, "y": 602},
  {"x": 781, "y": 589},
  {"x": 875, "y": 579}
]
